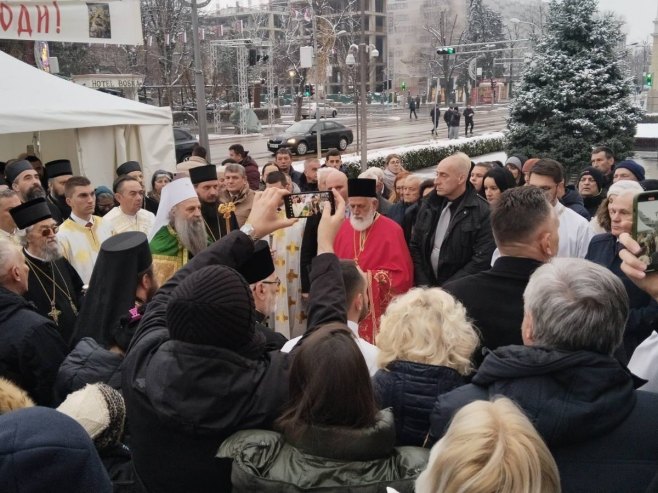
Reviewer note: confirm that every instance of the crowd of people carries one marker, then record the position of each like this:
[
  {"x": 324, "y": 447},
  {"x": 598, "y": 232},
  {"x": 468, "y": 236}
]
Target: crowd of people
[{"x": 490, "y": 330}]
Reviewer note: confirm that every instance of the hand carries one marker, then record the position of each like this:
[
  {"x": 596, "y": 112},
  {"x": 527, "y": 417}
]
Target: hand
[
  {"x": 330, "y": 224},
  {"x": 634, "y": 268},
  {"x": 263, "y": 216}
]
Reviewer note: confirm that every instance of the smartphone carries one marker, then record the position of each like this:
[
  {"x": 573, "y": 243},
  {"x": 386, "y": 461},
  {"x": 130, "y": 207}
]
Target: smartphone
[
  {"x": 645, "y": 227},
  {"x": 307, "y": 204}
]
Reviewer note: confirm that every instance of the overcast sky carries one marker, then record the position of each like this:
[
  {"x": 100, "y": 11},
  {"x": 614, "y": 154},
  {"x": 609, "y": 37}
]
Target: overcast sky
[{"x": 639, "y": 16}]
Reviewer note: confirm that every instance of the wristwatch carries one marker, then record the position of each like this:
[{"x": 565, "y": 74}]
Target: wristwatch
[{"x": 248, "y": 229}]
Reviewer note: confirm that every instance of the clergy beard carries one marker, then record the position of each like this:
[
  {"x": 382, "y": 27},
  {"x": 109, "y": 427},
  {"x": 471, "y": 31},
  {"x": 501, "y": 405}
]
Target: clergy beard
[
  {"x": 209, "y": 208},
  {"x": 50, "y": 252},
  {"x": 363, "y": 223},
  {"x": 192, "y": 233},
  {"x": 36, "y": 192}
]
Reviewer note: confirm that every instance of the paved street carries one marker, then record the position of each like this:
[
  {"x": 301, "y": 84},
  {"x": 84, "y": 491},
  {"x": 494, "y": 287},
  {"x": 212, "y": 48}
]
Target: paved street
[
  {"x": 391, "y": 128},
  {"x": 385, "y": 129}
]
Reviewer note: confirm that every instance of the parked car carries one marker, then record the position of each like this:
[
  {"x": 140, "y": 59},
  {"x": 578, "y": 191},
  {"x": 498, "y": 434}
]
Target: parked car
[
  {"x": 301, "y": 137},
  {"x": 231, "y": 106},
  {"x": 184, "y": 142},
  {"x": 326, "y": 110}
]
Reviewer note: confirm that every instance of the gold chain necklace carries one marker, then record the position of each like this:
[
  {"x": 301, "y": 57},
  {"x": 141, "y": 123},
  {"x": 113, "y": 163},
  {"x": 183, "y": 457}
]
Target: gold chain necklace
[{"x": 54, "y": 313}]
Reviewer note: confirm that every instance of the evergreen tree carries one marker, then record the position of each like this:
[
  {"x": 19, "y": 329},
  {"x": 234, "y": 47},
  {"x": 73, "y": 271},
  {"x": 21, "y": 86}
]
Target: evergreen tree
[
  {"x": 485, "y": 25},
  {"x": 576, "y": 92}
]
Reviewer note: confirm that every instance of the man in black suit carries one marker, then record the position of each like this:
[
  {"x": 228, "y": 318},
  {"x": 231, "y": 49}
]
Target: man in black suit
[{"x": 525, "y": 228}]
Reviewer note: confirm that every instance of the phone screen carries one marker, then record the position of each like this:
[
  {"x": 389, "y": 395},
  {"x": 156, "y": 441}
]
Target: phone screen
[
  {"x": 307, "y": 204},
  {"x": 645, "y": 228}
]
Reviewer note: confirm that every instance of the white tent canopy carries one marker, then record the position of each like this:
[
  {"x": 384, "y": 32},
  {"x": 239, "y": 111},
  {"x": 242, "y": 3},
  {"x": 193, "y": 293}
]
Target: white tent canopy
[{"x": 95, "y": 130}]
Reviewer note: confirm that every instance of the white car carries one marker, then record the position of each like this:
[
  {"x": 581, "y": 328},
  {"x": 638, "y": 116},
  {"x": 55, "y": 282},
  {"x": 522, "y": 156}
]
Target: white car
[{"x": 326, "y": 110}]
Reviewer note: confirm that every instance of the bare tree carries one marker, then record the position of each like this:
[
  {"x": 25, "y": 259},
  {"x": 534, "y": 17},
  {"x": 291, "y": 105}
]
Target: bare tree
[
  {"x": 444, "y": 29},
  {"x": 165, "y": 24}
]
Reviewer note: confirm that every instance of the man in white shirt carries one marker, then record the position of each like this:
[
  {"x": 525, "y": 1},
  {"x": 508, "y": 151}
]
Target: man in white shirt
[
  {"x": 129, "y": 216},
  {"x": 81, "y": 235},
  {"x": 357, "y": 308},
  {"x": 575, "y": 232}
]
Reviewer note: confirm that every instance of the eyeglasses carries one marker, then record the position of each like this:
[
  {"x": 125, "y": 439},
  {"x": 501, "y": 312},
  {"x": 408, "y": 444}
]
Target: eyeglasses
[
  {"x": 47, "y": 230},
  {"x": 277, "y": 281}
]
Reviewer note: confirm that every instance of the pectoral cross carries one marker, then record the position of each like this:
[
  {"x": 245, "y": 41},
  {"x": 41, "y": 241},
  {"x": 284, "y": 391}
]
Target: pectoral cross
[{"x": 54, "y": 313}]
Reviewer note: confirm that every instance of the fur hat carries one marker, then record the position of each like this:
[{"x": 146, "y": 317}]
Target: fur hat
[
  {"x": 624, "y": 185},
  {"x": 100, "y": 410},
  {"x": 12, "y": 397}
]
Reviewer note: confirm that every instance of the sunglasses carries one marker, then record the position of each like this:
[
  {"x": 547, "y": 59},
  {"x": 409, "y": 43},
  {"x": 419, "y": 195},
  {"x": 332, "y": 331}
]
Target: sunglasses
[{"x": 47, "y": 230}]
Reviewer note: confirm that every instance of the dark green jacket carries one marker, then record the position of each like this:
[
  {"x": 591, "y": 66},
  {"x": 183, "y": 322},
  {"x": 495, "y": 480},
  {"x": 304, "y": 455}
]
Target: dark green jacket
[{"x": 327, "y": 459}]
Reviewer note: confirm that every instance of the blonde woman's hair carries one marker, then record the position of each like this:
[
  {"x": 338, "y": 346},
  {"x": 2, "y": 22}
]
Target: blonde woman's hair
[
  {"x": 427, "y": 325},
  {"x": 490, "y": 447}
]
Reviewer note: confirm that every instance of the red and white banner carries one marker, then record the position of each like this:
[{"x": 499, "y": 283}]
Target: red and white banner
[{"x": 72, "y": 21}]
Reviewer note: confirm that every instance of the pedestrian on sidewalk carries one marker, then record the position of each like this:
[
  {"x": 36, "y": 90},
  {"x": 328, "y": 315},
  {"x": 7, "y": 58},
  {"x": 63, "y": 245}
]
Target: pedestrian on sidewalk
[
  {"x": 412, "y": 108},
  {"x": 447, "y": 117},
  {"x": 453, "y": 129},
  {"x": 417, "y": 101},
  {"x": 435, "y": 113},
  {"x": 468, "y": 120}
]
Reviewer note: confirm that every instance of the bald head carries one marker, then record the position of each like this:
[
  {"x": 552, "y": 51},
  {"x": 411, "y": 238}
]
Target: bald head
[
  {"x": 337, "y": 180},
  {"x": 452, "y": 176}
]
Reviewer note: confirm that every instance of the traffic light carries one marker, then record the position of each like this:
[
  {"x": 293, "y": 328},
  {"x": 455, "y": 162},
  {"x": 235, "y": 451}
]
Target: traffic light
[
  {"x": 403, "y": 86},
  {"x": 648, "y": 80},
  {"x": 276, "y": 91},
  {"x": 307, "y": 90},
  {"x": 312, "y": 88},
  {"x": 445, "y": 50}
]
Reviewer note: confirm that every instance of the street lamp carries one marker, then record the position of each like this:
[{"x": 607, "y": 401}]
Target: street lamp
[
  {"x": 363, "y": 50},
  {"x": 199, "y": 82}
]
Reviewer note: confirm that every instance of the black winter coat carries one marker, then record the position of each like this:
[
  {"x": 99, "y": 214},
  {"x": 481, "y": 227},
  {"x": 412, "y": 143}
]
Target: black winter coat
[
  {"x": 494, "y": 300},
  {"x": 592, "y": 203},
  {"x": 411, "y": 389},
  {"x": 601, "y": 432},
  {"x": 31, "y": 348},
  {"x": 574, "y": 201},
  {"x": 119, "y": 466},
  {"x": 184, "y": 399},
  {"x": 467, "y": 246},
  {"x": 89, "y": 362},
  {"x": 643, "y": 314}
]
